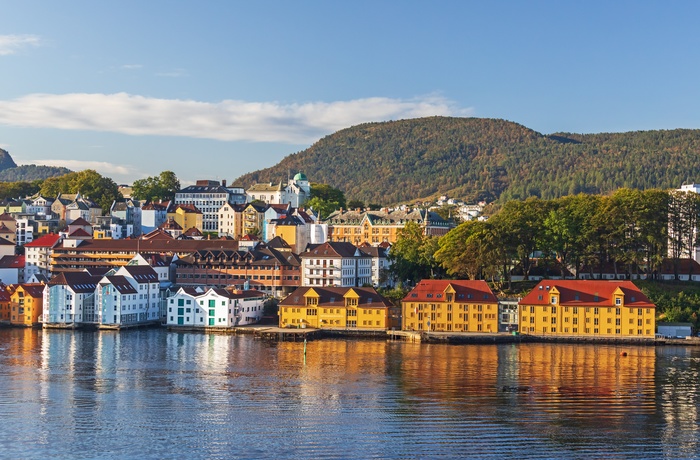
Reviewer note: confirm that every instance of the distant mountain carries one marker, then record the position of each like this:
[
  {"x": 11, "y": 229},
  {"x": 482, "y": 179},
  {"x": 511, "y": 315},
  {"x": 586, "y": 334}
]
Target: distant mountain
[
  {"x": 476, "y": 158},
  {"x": 10, "y": 172}
]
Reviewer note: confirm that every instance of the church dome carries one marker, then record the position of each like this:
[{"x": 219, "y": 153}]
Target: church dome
[{"x": 300, "y": 176}]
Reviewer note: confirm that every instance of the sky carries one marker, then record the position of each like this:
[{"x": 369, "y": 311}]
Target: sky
[{"x": 216, "y": 89}]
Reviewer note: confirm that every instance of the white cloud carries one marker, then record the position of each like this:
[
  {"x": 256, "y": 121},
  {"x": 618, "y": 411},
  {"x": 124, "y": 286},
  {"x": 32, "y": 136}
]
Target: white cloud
[
  {"x": 11, "y": 44},
  {"x": 228, "y": 120},
  {"x": 103, "y": 167},
  {"x": 131, "y": 66},
  {"x": 177, "y": 73}
]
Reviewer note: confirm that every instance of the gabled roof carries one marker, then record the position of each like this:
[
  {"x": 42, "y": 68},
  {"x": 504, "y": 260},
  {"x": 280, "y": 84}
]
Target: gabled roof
[
  {"x": 685, "y": 266},
  {"x": 332, "y": 249},
  {"x": 278, "y": 243},
  {"x": 6, "y": 217},
  {"x": 45, "y": 241},
  {"x": 335, "y": 296},
  {"x": 79, "y": 282},
  {"x": 5, "y": 229},
  {"x": 194, "y": 231},
  {"x": 5, "y": 242},
  {"x": 121, "y": 284},
  {"x": 81, "y": 222},
  {"x": 466, "y": 291},
  {"x": 186, "y": 208},
  {"x": 141, "y": 273},
  {"x": 169, "y": 224},
  {"x": 586, "y": 293},
  {"x": 12, "y": 262},
  {"x": 79, "y": 232},
  {"x": 35, "y": 290}
]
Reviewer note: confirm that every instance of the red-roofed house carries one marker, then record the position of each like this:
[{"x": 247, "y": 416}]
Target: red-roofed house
[
  {"x": 450, "y": 305},
  {"x": 607, "y": 309},
  {"x": 38, "y": 254}
]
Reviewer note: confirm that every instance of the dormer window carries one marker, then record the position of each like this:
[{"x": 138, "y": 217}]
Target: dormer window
[
  {"x": 553, "y": 300},
  {"x": 618, "y": 301}
]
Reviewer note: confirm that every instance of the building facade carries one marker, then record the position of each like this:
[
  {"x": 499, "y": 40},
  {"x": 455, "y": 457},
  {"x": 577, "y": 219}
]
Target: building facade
[
  {"x": 335, "y": 307},
  {"x": 583, "y": 308},
  {"x": 450, "y": 306}
]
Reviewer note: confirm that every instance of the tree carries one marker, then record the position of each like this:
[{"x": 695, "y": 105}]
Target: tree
[
  {"x": 412, "y": 255},
  {"x": 355, "y": 204},
  {"x": 325, "y": 199},
  {"x": 161, "y": 187},
  {"x": 88, "y": 183}
]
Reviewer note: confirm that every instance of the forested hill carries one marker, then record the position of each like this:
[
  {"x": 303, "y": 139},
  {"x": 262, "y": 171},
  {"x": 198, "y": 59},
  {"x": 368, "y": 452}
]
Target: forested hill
[
  {"x": 473, "y": 158},
  {"x": 10, "y": 172}
]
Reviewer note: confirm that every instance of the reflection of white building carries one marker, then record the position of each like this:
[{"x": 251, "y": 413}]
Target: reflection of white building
[{"x": 214, "y": 307}]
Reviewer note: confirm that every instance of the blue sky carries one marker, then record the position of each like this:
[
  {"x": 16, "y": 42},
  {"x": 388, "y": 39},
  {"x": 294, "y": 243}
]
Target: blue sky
[{"x": 217, "y": 89}]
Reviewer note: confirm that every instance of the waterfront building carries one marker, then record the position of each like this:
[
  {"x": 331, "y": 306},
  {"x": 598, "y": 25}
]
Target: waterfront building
[
  {"x": 584, "y": 308},
  {"x": 450, "y": 306},
  {"x": 128, "y": 296},
  {"x": 5, "y": 307},
  {"x": 355, "y": 308},
  {"x": 214, "y": 307},
  {"x": 69, "y": 299},
  {"x": 375, "y": 227},
  {"x": 26, "y": 304}
]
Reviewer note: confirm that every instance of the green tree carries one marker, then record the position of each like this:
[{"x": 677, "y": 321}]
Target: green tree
[
  {"x": 88, "y": 183},
  {"x": 161, "y": 187}
]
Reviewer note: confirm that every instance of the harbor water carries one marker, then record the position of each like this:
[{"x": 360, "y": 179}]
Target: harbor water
[{"x": 159, "y": 394}]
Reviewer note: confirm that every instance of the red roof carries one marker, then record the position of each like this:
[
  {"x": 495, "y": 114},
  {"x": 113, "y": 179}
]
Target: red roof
[
  {"x": 582, "y": 293},
  {"x": 44, "y": 241},
  {"x": 465, "y": 291},
  {"x": 12, "y": 262},
  {"x": 79, "y": 232},
  {"x": 81, "y": 222}
]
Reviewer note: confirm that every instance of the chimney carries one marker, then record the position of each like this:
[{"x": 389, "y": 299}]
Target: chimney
[{"x": 223, "y": 183}]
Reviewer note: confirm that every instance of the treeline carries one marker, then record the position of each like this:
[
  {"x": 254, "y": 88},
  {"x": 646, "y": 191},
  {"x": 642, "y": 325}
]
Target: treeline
[
  {"x": 629, "y": 231},
  {"x": 473, "y": 159},
  {"x": 29, "y": 173}
]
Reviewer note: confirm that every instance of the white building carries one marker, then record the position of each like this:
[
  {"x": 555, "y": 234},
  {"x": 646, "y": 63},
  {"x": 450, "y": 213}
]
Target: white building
[
  {"x": 128, "y": 296},
  {"x": 153, "y": 215},
  {"x": 69, "y": 298},
  {"x": 295, "y": 193},
  {"x": 38, "y": 255},
  {"x": 214, "y": 307},
  {"x": 208, "y": 196},
  {"x": 337, "y": 264}
]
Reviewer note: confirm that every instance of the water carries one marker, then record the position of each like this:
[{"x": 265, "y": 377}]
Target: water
[{"x": 157, "y": 394}]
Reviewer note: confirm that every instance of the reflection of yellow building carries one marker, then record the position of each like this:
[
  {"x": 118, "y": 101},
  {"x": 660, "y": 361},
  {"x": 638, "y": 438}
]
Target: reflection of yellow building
[
  {"x": 587, "y": 308},
  {"x": 5, "y": 308},
  {"x": 602, "y": 379},
  {"x": 335, "y": 307},
  {"x": 26, "y": 303},
  {"x": 450, "y": 305}
]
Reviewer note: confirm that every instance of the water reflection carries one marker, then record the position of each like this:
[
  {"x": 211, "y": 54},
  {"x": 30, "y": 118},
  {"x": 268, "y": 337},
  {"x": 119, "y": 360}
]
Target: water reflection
[{"x": 154, "y": 394}]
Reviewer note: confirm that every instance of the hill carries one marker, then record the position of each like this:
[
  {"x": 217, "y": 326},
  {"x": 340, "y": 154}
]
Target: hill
[
  {"x": 476, "y": 158},
  {"x": 10, "y": 172}
]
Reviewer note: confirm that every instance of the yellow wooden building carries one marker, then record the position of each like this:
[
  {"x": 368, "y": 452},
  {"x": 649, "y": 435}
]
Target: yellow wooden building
[
  {"x": 335, "y": 307},
  {"x": 26, "y": 303},
  {"x": 587, "y": 308},
  {"x": 450, "y": 305},
  {"x": 187, "y": 216}
]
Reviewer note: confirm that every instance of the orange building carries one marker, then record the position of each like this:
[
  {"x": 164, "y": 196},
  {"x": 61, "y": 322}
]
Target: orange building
[
  {"x": 26, "y": 303},
  {"x": 450, "y": 305},
  {"x": 587, "y": 308}
]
